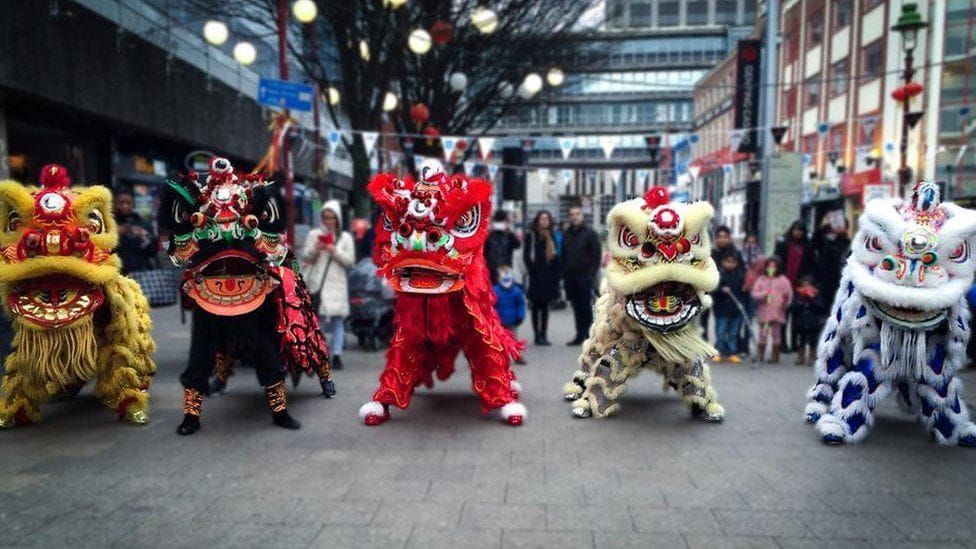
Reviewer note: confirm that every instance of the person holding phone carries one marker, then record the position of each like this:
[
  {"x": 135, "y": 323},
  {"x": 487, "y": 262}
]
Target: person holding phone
[{"x": 328, "y": 253}]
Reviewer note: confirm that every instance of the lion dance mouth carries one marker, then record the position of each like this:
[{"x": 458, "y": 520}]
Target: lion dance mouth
[
  {"x": 665, "y": 307},
  {"x": 54, "y": 301}
]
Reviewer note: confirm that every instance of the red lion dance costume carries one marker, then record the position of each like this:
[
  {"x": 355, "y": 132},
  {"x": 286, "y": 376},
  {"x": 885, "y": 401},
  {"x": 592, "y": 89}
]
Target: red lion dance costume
[{"x": 430, "y": 243}]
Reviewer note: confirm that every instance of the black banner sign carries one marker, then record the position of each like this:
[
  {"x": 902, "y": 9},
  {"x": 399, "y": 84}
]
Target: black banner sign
[{"x": 747, "y": 76}]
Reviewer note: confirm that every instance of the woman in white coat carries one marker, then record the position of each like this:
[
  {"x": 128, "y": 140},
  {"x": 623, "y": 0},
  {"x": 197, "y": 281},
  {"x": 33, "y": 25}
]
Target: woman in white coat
[{"x": 327, "y": 254}]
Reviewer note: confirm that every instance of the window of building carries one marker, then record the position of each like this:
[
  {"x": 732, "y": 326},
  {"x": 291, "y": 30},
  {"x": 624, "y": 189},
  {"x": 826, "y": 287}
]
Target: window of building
[
  {"x": 815, "y": 29},
  {"x": 839, "y": 77},
  {"x": 726, "y": 12},
  {"x": 872, "y": 62},
  {"x": 697, "y": 13},
  {"x": 812, "y": 95},
  {"x": 749, "y": 13},
  {"x": 615, "y": 13},
  {"x": 640, "y": 14},
  {"x": 870, "y": 5},
  {"x": 810, "y": 144},
  {"x": 843, "y": 11},
  {"x": 668, "y": 13}
]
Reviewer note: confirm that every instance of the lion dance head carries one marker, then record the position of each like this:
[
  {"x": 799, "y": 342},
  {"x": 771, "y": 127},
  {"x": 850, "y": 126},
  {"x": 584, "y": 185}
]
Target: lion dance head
[
  {"x": 74, "y": 314},
  {"x": 432, "y": 231},
  {"x": 662, "y": 269}
]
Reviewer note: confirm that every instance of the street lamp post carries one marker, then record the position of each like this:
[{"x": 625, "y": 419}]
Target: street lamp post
[
  {"x": 908, "y": 25},
  {"x": 286, "y": 143}
]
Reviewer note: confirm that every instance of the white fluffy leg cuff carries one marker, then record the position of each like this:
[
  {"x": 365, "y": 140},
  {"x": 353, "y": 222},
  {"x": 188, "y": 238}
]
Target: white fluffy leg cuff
[
  {"x": 830, "y": 425},
  {"x": 371, "y": 408},
  {"x": 514, "y": 409},
  {"x": 515, "y": 386}
]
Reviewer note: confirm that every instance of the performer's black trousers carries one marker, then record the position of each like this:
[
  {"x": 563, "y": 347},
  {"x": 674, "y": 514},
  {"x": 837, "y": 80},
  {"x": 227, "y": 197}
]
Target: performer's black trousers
[{"x": 250, "y": 338}]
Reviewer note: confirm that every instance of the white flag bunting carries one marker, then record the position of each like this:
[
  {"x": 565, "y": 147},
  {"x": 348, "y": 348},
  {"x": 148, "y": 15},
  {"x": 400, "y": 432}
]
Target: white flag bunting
[
  {"x": 484, "y": 146},
  {"x": 448, "y": 144},
  {"x": 566, "y": 145},
  {"x": 609, "y": 143},
  {"x": 369, "y": 141}
]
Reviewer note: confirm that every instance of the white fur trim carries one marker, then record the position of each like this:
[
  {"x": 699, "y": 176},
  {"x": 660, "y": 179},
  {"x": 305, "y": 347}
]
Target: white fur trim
[
  {"x": 514, "y": 409},
  {"x": 371, "y": 408},
  {"x": 515, "y": 386},
  {"x": 830, "y": 425}
]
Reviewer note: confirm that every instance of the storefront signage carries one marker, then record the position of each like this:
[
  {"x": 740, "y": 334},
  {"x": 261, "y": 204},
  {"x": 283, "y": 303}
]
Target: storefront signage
[
  {"x": 876, "y": 191},
  {"x": 747, "y": 93},
  {"x": 287, "y": 95},
  {"x": 852, "y": 184}
]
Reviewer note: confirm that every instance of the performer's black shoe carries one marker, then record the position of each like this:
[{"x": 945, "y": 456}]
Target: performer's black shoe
[
  {"x": 217, "y": 386},
  {"x": 336, "y": 362},
  {"x": 968, "y": 441},
  {"x": 328, "y": 388},
  {"x": 544, "y": 341},
  {"x": 284, "y": 419},
  {"x": 575, "y": 343},
  {"x": 190, "y": 425},
  {"x": 833, "y": 440}
]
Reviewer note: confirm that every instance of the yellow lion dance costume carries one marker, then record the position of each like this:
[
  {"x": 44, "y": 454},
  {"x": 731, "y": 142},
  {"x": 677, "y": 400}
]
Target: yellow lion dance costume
[
  {"x": 75, "y": 316},
  {"x": 646, "y": 317}
]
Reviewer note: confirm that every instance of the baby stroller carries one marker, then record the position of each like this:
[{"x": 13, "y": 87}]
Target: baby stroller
[{"x": 370, "y": 306}]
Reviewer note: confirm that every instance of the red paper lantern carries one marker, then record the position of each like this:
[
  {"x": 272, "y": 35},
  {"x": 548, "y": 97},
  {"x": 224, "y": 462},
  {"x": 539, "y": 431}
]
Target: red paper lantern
[
  {"x": 442, "y": 32},
  {"x": 461, "y": 145},
  {"x": 907, "y": 91},
  {"x": 419, "y": 113},
  {"x": 432, "y": 133}
]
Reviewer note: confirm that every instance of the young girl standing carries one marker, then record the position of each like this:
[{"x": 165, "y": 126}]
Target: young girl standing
[{"x": 772, "y": 293}]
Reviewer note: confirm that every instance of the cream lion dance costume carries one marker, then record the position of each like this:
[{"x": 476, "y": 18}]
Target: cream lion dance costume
[
  {"x": 655, "y": 288},
  {"x": 900, "y": 322}
]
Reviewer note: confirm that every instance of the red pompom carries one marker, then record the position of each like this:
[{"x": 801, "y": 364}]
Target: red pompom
[
  {"x": 54, "y": 177},
  {"x": 656, "y": 196}
]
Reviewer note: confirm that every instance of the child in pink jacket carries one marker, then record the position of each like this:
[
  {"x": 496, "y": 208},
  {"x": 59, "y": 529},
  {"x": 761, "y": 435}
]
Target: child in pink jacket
[{"x": 773, "y": 294}]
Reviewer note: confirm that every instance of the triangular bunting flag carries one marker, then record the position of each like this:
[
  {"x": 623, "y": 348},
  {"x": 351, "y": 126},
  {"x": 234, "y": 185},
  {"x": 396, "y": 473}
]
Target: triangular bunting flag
[
  {"x": 608, "y": 143},
  {"x": 779, "y": 132},
  {"x": 484, "y": 146},
  {"x": 469, "y": 168},
  {"x": 334, "y": 136},
  {"x": 543, "y": 175},
  {"x": 492, "y": 170},
  {"x": 567, "y": 176},
  {"x": 735, "y": 139},
  {"x": 868, "y": 123},
  {"x": 369, "y": 141},
  {"x": 614, "y": 175},
  {"x": 641, "y": 176},
  {"x": 823, "y": 129},
  {"x": 566, "y": 145},
  {"x": 448, "y": 144}
]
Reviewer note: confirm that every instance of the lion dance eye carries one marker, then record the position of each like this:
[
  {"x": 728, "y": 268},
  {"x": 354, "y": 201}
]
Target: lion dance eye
[
  {"x": 874, "y": 244},
  {"x": 961, "y": 253},
  {"x": 626, "y": 238},
  {"x": 13, "y": 221},
  {"x": 467, "y": 224},
  {"x": 95, "y": 223},
  {"x": 929, "y": 258}
]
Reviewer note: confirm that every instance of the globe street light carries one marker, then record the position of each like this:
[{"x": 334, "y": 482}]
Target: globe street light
[
  {"x": 484, "y": 20},
  {"x": 332, "y": 95},
  {"x": 390, "y": 102},
  {"x": 555, "y": 77},
  {"x": 215, "y": 32},
  {"x": 244, "y": 53},
  {"x": 530, "y": 86},
  {"x": 458, "y": 82},
  {"x": 304, "y": 11},
  {"x": 419, "y": 41}
]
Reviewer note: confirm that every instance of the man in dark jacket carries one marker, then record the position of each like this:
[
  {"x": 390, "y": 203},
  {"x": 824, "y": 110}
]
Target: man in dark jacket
[
  {"x": 501, "y": 245},
  {"x": 137, "y": 243},
  {"x": 832, "y": 246},
  {"x": 581, "y": 254}
]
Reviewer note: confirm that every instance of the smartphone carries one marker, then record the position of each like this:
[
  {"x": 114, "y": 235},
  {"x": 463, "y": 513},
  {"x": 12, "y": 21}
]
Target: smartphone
[{"x": 327, "y": 238}]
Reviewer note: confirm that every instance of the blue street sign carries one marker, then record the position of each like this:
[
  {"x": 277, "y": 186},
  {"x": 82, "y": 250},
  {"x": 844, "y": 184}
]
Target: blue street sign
[{"x": 287, "y": 95}]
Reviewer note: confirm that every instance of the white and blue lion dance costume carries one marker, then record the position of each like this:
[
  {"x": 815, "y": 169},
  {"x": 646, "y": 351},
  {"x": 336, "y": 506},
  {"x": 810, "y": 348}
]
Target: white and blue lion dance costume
[{"x": 900, "y": 322}]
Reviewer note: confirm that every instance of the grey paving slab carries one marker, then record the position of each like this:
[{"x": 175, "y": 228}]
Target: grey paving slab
[{"x": 442, "y": 475}]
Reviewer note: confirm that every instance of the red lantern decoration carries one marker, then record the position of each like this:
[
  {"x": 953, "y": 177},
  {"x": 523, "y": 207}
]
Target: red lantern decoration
[
  {"x": 432, "y": 134},
  {"x": 442, "y": 32},
  {"x": 420, "y": 114},
  {"x": 907, "y": 92},
  {"x": 461, "y": 145}
]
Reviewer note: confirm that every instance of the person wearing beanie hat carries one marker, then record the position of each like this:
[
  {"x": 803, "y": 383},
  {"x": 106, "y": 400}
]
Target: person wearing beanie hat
[{"x": 328, "y": 253}]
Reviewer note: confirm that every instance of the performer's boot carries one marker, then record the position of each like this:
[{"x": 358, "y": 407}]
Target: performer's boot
[
  {"x": 278, "y": 404},
  {"x": 222, "y": 371},
  {"x": 192, "y": 402},
  {"x": 325, "y": 380},
  {"x": 801, "y": 355},
  {"x": 774, "y": 358}
]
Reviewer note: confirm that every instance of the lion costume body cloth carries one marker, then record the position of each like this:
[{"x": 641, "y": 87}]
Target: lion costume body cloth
[
  {"x": 75, "y": 316},
  {"x": 249, "y": 301},
  {"x": 900, "y": 322},
  {"x": 430, "y": 246},
  {"x": 656, "y": 287}
]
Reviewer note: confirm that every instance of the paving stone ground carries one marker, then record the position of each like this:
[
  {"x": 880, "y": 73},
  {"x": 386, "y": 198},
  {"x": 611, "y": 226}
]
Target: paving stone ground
[{"x": 441, "y": 475}]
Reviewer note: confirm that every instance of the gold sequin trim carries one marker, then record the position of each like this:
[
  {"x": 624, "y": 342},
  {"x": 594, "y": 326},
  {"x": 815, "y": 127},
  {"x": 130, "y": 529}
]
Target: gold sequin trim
[
  {"x": 277, "y": 401},
  {"x": 192, "y": 401}
]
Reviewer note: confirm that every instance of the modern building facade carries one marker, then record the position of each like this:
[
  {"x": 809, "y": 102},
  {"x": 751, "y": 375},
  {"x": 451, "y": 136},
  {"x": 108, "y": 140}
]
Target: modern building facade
[
  {"x": 634, "y": 77},
  {"x": 839, "y": 63}
]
